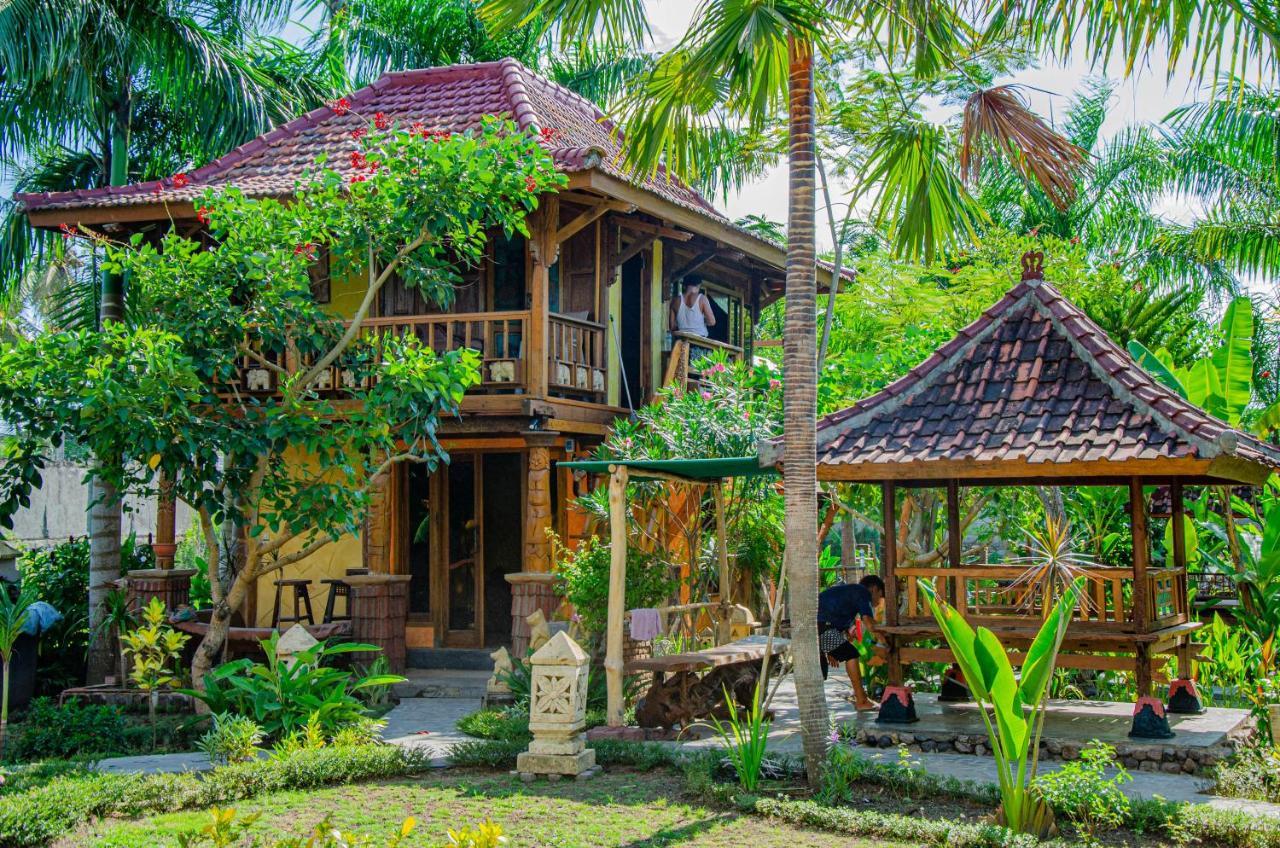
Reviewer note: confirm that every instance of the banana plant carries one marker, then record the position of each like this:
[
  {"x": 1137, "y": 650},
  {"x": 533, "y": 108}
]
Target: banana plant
[{"x": 1003, "y": 698}]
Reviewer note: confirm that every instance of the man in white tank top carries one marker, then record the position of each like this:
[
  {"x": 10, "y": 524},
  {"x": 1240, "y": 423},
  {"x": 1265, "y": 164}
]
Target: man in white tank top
[{"x": 691, "y": 312}]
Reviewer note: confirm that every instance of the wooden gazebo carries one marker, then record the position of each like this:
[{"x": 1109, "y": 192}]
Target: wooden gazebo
[{"x": 1034, "y": 393}]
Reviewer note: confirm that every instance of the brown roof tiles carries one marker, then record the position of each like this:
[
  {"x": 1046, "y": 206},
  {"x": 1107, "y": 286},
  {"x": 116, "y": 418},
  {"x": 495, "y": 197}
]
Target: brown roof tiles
[{"x": 1033, "y": 380}]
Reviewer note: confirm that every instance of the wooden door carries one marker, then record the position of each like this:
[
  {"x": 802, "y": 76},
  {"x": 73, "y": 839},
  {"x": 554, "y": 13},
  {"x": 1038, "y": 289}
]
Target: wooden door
[{"x": 457, "y": 555}]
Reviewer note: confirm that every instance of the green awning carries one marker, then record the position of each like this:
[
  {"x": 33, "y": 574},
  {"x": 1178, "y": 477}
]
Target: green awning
[{"x": 694, "y": 470}]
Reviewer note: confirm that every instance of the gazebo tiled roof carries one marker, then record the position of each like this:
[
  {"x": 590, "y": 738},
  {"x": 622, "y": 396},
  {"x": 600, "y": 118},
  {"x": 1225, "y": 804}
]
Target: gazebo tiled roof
[
  {"x": 1032, "y": 389},
  {"x": 452, "y": 98}
]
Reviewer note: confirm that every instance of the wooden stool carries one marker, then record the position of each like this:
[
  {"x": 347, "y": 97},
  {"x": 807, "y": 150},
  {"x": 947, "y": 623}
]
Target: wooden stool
[
  {"x": 338, "y": 588},
  {"x": 301, "y": 598}
]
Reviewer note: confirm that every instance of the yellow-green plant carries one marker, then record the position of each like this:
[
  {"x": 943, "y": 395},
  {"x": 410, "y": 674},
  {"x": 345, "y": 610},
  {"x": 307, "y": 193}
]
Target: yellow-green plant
[
  {"x": 155, "y": 649},
  {"x": 484, "y": 835},
  {"x": 1002, "y": 698}
]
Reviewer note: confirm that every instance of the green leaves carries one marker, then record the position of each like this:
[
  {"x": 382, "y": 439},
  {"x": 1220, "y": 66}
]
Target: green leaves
[
  {"x": 1233, "y": 360},
  {"x": 1157, "y": 366}
]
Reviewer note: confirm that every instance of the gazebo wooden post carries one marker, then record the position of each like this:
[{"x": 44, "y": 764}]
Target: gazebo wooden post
[
  {"x": 1183, "y": 697},
  {"x": 954, "y": 591},
  {"x": 613, "y": 662},
  {"x": 1149, "y": 721},
  {"x": 725, "y": 633},
  {"x": 897, "y": 705}
]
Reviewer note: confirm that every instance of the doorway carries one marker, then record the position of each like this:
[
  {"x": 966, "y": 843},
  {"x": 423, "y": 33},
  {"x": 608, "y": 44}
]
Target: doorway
[
  {"x": 461, "y": 546},
  {"x": 632, "y": 335}
]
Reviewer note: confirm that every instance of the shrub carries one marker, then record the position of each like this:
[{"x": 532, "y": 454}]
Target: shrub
[
  {"x": 283, "y": 698},
  {"x": 1254, "y": 773},
  {"x": 1081, "y": 790},
  {"x": 38, "y": 816},
  {"x": 224, "y": 829},
  {"x": 495, "y": 724},
  {"x": 365, "y": 731},
  {"x": 232, "y": 739},
  {"x": 83, "y": 731},
  {"x": 486, "y": 753},
  {"x": 582, "y": 578}
]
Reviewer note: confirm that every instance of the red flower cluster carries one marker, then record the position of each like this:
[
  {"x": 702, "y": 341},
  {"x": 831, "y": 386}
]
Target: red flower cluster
[
  {"x": 358, "y": 159},
  {"x": 202, "y": 214},
  {"x": 359, "y": 133},
  {"x": 380, "y": 120},
  {"x": 417, "y": 128},
  {"x": 357, "y": 178},
  {"x": 530, "y": 184},
  {"x": 341, "y": 106},
  {"x": 68, "y": 231},
  {"x": 306, "y": 249},
  {"x": 549, "y": 133},
  {"x": 1266, "y": 375},
  {"x": 180, "y": 180},
  {"x": 1075, "y": 239}
]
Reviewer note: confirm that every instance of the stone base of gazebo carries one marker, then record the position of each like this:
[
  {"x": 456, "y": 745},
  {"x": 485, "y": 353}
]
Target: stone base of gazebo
[{"x": 1199, "y": 740}]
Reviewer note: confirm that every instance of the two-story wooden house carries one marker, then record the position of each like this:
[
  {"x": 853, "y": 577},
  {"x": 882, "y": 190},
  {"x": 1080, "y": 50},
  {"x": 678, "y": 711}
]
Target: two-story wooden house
[{"x": 571, "y": 324}]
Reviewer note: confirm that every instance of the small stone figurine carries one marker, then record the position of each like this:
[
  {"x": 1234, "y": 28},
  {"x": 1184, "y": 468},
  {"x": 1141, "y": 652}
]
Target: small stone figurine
[
  {"x": 497, "y": 684},
  {"x": 539, "y": 630}
]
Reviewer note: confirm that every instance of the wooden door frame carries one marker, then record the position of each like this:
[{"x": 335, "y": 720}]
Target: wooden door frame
[{"x": 439, "y": 567}]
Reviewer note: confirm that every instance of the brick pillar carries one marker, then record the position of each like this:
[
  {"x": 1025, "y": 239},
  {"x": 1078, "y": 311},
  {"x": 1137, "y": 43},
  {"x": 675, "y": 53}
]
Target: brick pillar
[
  {"x": 165, "y": 540},
  {"x": 379, "y": 614},
  {"x": 170, "y": 585},
  {"x": 529, "y": 591}
]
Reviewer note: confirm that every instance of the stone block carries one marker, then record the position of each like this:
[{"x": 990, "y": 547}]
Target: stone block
[{"x": 574, "y": 764}]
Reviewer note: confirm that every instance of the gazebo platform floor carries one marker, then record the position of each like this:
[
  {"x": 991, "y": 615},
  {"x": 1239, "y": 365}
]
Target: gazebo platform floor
[{"x": 1200, "y": 740}]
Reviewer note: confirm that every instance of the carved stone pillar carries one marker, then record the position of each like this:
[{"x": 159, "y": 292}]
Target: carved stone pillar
[
  {"x": 538, "y": 510},
  {"x": 165, "y": 541}
]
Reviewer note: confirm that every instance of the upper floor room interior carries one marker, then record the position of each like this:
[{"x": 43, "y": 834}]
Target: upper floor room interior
[{"x": 581, "y": 311}]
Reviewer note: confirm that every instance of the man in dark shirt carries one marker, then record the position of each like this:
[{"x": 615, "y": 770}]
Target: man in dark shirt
[{"x": 840, "y": 608}]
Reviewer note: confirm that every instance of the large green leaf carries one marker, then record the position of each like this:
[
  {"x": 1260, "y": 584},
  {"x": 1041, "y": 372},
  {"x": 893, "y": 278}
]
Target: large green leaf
[
  {"x": 1038, "y": 664},
  {"x": 992, "y": 659},
  {"x": 1234, "y": 359},
  {"x": 1204, "y": 388},
  {"x": 1157, "y": 368},
  {"x": 960, "y": 638},
  {"x": 1269, "y": 421},
  {"x": 1011, "y": 725}
]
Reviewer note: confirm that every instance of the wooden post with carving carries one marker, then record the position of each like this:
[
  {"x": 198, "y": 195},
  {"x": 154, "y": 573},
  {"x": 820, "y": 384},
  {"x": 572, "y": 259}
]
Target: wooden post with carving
[{"x": 613, "y": 663}]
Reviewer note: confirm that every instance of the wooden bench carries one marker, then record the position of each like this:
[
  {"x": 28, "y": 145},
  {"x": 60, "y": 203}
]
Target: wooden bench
[{"x": 679, "y": 696}]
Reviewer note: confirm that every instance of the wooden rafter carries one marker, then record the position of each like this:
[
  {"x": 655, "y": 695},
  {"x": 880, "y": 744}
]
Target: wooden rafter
[
  {"x": 631, "y": 251},
  {"x": 589, "y": 217},
  {"x": 694, "y": 264},
  {"x": 656, "y": 230}
]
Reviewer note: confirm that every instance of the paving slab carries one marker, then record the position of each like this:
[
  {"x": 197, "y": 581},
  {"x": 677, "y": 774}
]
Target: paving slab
[
  {"x": 429, "y": 724},
  {"x": 155, "y": 763}
]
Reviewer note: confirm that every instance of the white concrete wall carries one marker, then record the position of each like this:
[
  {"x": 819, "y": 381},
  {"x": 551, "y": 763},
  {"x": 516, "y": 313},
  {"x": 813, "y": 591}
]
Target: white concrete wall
[{"x": 60, "y": 509}]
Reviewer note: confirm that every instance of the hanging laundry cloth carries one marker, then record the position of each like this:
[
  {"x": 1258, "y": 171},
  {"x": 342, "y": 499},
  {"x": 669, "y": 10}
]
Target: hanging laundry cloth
[{"x": 646, "y": 624}]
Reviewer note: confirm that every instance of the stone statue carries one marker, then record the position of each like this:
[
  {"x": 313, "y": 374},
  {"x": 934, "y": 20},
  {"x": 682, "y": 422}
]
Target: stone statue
[
  {"x": 497, "y": 684},
  {"x": 539, "y": 631}
]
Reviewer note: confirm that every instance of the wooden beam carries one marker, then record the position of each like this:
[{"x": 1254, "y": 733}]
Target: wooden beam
[
  {"x": 1025, "y": 473},
  {"x": 953, "y": 539},
  {"x": 693, "y": 264},
  {"x": 654, "y": 229},
  {"x": 1141, "y": 553},
  {"x": 628, "y": 253},
  {"x": 613, "y": 661},
  {"x": 589, "y": 217}
]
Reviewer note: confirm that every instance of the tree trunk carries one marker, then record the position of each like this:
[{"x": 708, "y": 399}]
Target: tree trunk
[
  {"x": 800, "y": 400},
  {"x": 104, "y": 567},
  {"x": 104, "y": 514}
]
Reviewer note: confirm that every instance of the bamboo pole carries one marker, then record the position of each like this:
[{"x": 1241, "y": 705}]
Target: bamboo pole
[
  {"x": 613, "y": 663},
  {"x": 722, "y": 554}
]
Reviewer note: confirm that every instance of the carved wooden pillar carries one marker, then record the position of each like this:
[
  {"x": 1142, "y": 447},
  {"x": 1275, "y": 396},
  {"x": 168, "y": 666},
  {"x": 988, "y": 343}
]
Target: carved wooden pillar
[
  {"x": 164, "y": 543},
  {"x": 376, "y": 538},
  {"x": 544, "y": 251},
  {"x": 532, "y": 588}
]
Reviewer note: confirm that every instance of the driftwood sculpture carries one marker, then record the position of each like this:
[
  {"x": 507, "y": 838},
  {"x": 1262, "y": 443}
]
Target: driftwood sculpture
[{"x": 683, "y": 697}]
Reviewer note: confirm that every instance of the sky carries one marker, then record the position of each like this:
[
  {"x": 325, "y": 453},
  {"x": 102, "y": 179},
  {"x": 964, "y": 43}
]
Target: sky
[{"x": 1146, "y": 97}]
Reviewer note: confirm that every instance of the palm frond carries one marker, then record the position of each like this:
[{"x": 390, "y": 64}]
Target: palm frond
[
  {"x": 611, "y": 23},
  {"x": 997, "y": 120}
]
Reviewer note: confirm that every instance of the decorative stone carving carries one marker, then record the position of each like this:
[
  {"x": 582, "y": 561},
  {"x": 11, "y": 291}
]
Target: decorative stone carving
[
  {"x": 258, "y": 379},
  {"x": 497, "y": 684},
  {"x": 557, "y": 711},
  {"x": 502, "y": 371},
  {"x": 294, "y": 641},
  {"x": 539, "y": 630},
  {"x": 324, "y": 380}
]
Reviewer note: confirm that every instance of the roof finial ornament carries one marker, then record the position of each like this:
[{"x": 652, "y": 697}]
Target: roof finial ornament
[{"x": 1032, "y": 266}]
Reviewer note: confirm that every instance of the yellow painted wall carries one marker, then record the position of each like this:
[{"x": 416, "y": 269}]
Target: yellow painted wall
[
  {"x": 330, "y": 561},
  {"x": 346, "y": 290}
]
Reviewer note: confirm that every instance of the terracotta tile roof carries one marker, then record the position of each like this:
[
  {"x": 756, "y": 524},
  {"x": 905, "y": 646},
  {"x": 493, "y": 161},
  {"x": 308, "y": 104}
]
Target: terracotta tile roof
[
  {"x": 452, "y": 98},
  {"x": 1033, "y": 380}
]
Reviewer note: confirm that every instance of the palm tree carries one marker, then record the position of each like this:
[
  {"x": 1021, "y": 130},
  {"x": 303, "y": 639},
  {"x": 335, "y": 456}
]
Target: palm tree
[
  {"x": 748, "y": 62},
  {"x": 1226, "y": 154},
  {"x": 82, "y": 81}
]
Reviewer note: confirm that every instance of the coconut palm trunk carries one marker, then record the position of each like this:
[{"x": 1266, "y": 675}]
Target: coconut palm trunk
[{"x": 800, "y": 402}]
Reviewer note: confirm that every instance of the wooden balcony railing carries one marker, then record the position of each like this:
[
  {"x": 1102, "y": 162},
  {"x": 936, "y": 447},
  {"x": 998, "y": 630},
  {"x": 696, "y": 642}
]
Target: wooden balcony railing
[
  {"x": 685, "y": 362},
  {"x": 499, "y": 338},
  {"x": 576, "y": 362},
  {"x": 991, "y": 594}
]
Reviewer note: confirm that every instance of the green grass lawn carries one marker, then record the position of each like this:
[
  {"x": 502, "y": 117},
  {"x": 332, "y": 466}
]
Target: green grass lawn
[{"x": 622, "y": 808}]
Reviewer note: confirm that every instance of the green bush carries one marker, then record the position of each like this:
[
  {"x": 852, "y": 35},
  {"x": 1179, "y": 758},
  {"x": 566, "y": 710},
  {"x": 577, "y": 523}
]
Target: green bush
[
  {"x": 285, "y": 697},
  {"x": 495, "y": 724},
  {"x": 232, "y": 739},
  {"x": 81, "y": 731},
  {"x": 582, "y": 578},
  {"x": 887, "y": 827},
  {"x": 486, "y": 753},
  {"x": 1081, "y": 791},
  {"x": 1254, "y": 773},
  {"x": 40, "y": 815}
]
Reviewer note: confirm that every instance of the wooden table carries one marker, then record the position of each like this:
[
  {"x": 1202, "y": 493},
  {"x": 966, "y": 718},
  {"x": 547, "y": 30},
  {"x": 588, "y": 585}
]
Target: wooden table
[{"x": 680, "y": 696}]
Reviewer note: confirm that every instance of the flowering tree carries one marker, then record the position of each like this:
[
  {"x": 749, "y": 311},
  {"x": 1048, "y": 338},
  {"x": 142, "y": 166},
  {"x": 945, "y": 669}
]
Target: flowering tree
[{"x": 275, "y": 477}]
